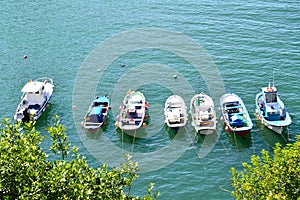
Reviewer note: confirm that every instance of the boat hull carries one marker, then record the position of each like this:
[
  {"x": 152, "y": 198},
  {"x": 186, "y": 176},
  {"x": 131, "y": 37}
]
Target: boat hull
[
  {"x": 35, "y": 99},
  {"x": 94, "y": 126},
  {"x": 203, "y": 114},
  {"x": 276, "y": 129},
  {"x": 96, "y": 116},
  {"x": 132, "y": 111},
  {"x": 235, "y": 115},
  {"x": 237, "y": 132},
  {"x": 275, "y": 125},
  {"x": 175, "y": 112}
]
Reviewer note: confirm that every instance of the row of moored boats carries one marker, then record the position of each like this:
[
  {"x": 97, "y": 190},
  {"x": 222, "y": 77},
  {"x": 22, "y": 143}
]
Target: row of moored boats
[{"x": 270, "y": 110}]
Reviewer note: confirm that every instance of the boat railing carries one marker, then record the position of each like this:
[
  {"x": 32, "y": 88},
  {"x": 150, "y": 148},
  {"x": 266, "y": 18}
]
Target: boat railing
[
  {"x": 43, "y": 79},
  {"x": 92, "y": 123},
  {"x": 23, "y": 95}
]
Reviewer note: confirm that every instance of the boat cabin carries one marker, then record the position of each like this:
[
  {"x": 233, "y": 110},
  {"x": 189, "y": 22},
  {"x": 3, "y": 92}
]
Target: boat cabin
[
  {"x": 35, "y": 93},
  {"x": 270, "y": 106},
  {"x": 270, "y": 94}
]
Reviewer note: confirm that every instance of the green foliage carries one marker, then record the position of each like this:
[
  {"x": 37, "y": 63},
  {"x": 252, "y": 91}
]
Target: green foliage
[
  {"x": 22, "y": 163},
  {"x": 268, "y": 178},
  {"x": 59, "y": 138},
  {"x": 25, "y": 172}
]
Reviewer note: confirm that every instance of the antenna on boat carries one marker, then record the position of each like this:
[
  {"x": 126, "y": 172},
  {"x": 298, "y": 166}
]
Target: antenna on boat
[{"x": 273, "y": 77}]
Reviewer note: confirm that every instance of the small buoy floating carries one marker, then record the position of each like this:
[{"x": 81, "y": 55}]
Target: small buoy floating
[
  {"x": 144, "y": 125},
  {"x": 25, "y": 56},
  {"x": 74, "y": 107},
  {"x": 175, "y": 76}
]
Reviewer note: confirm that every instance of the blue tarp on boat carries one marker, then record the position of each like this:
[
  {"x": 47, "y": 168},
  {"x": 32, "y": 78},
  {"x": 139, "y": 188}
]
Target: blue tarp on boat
[
  {"x": 96, "y": 114},
  {"x": 101, "y": 101},
  {"x": 96, "y": 110}
]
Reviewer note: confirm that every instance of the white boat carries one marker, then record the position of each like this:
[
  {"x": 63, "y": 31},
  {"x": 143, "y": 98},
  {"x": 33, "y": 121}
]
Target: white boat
[
  {"x": 35, "y": 99},
  {"x": 203, "y": 113},
  {"x": 235, "y": 114},
  {"x": 175, "y": 112},
  {"x": 97, "y": 113},
  {"x": 270, "y": 110},
  {"x": 132, "y": 111}
]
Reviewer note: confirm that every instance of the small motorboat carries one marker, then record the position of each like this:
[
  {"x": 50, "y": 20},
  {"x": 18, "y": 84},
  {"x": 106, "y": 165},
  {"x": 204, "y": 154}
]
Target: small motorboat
[
  {"x": 35, "y": 99},
  {"x": 271, "y": 111},
  {"x": 97, "y": 113},
  {"x": 235, "y": 114},
  {"x": 203, "y": 113},
  {"x": 175, "y": 112},
  {"x": 132, "y": 111}
]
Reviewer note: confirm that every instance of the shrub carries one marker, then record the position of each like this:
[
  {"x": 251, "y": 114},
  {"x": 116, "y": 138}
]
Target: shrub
[
  {"x": 267, "y": 178},
  {"x": 25, "y": 172}
]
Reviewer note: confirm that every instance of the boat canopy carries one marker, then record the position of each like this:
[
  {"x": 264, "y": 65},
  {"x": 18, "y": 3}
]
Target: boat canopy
[
  {"x": 135, "y": 97},
  {"x": 96, "y": 110},
  {"x": 101, "y": 99},
  {"x": 33, "y": 87},
  {"x": 233, "y": 107}
]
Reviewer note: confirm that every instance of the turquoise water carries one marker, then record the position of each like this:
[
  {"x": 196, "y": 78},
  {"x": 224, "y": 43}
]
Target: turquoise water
[{"x": 246, "y": 42}]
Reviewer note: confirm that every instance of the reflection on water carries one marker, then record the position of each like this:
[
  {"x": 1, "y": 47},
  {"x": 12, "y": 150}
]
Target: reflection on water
[
  {"x": 94, "y": 134},
  {"x": 240, "y": 142},
  {"x": 205, "y": 143},
  {"x": 272, "y": 137},
  {"x": 171, "y": 132}
]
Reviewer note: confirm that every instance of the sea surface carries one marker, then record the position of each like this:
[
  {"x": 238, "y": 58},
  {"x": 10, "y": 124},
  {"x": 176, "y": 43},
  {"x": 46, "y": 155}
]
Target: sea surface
[{"x": 108, "y": 47}]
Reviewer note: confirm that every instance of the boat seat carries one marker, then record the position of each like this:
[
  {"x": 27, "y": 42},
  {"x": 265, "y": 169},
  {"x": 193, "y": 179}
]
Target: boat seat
[
  {"x": 35, "y": 107},
  {"x": 139, "y": 113},
  {"x": 132, "y": 122},
  {"x": 204, "y": 115}
]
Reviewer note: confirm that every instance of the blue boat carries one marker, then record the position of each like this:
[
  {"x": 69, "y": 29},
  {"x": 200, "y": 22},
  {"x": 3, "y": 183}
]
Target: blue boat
[
  {"x": 235, "y": 114},
  {"x": 271, "y": 111},
  {"x": 97, "y": 113}
]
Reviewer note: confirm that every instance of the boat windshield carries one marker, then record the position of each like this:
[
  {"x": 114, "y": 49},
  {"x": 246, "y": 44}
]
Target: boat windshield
[{"x": 271, "y": 97}]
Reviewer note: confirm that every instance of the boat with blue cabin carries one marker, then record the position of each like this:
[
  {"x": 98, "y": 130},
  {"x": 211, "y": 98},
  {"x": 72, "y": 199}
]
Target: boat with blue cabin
[
  {"x": 270, "y": 110},
  {"x": 132, "y": 111},
  {"x": 35, "y": 99},
  {"x": 235, "y": 114},
  {"x": 97, "y": 113}
]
